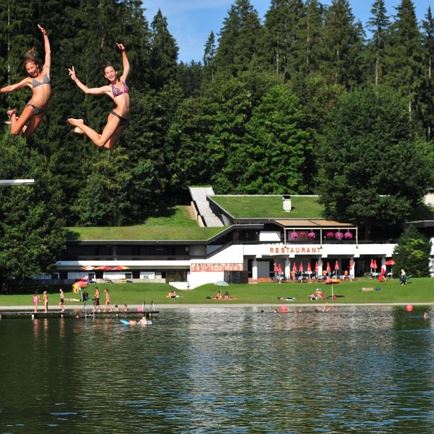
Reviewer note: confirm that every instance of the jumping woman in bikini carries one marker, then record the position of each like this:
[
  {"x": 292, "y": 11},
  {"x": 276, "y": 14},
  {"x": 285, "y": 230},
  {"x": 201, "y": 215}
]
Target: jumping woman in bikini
[
  {"x": 117, "y": 90},
  {"x": 39, "y": 81}
]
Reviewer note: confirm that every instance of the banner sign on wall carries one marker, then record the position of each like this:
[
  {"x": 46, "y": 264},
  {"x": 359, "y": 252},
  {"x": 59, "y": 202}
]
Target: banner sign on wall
[{"x": 215, "y": 267}]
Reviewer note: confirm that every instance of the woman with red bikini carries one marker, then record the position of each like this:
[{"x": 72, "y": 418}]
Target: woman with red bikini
[{"x": 117, "y": 90}]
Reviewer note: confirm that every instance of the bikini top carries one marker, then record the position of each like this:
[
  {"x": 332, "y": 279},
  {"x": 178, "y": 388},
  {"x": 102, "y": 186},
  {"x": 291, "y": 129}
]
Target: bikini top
[
  {"x": 45, "y": 80},
  {"x": 116, "y": 91}
]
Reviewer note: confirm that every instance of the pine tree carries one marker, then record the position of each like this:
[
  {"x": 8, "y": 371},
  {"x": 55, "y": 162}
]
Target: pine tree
[
  {"x": 209, "y": 56},
  {"x": 282, "y": 37},
  {"x": 426, "y": 103},
  {"x": 342, "y": 46},
  {"x": 404, "y": 54},
  {"x": 31, "y": 229},
  {"x": 412, "y": 253},
  {"x": 187, "y": 138},
  {"x": 189, "y": 77},
  {"x": 379, "y": 24},
  {"x": 136, "y": 37},
  {"x": 237, "y": 48},
  {"x": 103, "y": 199},
  {"x": 164, "y": 53},
  {"x": 18, "y": 34},
  {"x": 277, "y": 145},
  {"x": 372, "y": 173},
  {"x": 312, "y": 27}
]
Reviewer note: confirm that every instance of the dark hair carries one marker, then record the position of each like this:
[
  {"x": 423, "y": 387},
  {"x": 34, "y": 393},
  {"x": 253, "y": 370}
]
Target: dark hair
[{"x": 32, "y": 56}]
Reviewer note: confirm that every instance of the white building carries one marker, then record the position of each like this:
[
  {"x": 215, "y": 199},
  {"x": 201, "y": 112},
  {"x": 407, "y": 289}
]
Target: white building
[{"x": 296, "y": 244}]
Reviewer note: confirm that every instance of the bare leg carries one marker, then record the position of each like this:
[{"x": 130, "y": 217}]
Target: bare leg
[
  {"x": 98, "y": 139},
  {"x": 18, "y": 123},
  {"x": 32, "y": 125},
  {"x": 115, "y": 137}
]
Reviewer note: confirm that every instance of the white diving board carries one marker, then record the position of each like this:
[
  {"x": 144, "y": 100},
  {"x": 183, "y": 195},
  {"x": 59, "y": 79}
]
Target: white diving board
[{"x": 16, "y": 181}]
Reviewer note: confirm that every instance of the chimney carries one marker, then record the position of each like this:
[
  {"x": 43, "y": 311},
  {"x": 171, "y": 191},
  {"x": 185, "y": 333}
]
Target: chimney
[{"x": 286, "y": 201}]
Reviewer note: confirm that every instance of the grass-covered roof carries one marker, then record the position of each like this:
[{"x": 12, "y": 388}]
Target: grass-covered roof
[{"x": 269, "y": 206}]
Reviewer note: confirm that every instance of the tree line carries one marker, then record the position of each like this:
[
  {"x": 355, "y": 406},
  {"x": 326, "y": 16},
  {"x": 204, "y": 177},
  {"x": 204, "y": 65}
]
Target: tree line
[{"x": 307, "y": 101}]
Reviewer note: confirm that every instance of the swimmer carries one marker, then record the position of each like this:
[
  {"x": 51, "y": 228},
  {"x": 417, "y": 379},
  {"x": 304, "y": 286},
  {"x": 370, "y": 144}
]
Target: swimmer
[{"x": 143, "y": 321}]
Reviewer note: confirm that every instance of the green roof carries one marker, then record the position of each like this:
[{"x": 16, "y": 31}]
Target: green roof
[
  {"x": 269, "y": 206},
  {"x": 178, "y": 225}
]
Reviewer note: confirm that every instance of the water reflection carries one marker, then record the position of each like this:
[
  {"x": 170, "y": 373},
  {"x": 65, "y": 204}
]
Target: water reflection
[{"x": 349, "y": 369}]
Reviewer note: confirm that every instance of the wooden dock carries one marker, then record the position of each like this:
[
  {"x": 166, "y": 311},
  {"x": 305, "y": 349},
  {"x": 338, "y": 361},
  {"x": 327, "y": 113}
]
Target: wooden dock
[{"x": 75, "y": 313}]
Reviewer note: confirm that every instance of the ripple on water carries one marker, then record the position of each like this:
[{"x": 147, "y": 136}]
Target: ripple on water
[{"x": 363, "y": 369}]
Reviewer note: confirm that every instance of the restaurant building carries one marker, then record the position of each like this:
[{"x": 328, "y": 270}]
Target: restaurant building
[{"x": 261, "y": 238}]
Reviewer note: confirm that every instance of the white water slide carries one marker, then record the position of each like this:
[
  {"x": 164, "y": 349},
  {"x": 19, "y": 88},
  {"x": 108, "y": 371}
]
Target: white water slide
[{"x": 199, "y": 196}]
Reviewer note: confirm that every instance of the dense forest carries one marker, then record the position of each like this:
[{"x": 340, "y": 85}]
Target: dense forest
[{"x": 300, "y": 102}]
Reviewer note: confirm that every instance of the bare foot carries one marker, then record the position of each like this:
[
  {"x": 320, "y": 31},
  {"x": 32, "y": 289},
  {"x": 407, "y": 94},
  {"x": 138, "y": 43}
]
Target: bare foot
[
  {"x": 78, "y": 130},
  {"x": 75, "y": 122},
  {"x": 11, "y": 112}
]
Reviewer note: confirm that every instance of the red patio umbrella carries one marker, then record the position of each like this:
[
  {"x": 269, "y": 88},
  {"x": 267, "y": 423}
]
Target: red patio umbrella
[
  {"x": 390, "y": 262},
  {"x": 316, "y": 267},
  {"x": 374, "y": 264},
  {"x": 336, "y": 265},
  {"x": 328, "y": 268},
  {"x": 309, "y": 268},
  {"x": 300, "y": 268},
  {"x": 87, "y": 268},
  {"x": 119, "y": 268}
]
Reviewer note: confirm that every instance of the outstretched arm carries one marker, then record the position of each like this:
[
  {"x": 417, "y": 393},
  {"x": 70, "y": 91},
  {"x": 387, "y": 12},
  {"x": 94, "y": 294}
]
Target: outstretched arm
[
  {"x": 47, "y": 49},
  {"x": 83, "y": 87},
  {"x": 10, "y": 88},
  {"x": 125, "y": 62}
]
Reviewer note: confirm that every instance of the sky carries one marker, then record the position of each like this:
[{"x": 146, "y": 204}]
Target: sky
[{"x": 191, "y": 21}]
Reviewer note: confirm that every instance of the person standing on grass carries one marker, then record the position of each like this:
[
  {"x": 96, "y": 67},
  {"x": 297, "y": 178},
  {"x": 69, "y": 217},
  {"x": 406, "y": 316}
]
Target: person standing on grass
[{"x": 403, "y": 277}]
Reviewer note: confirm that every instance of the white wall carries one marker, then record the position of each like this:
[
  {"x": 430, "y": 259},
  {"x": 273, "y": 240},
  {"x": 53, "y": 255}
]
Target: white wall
[
  {"x": 269, "y": 236},
  {"x": 198, "y": 279}
]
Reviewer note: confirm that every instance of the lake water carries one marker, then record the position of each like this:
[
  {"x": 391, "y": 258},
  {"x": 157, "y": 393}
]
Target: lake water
[{"x": 215, "y": 371}]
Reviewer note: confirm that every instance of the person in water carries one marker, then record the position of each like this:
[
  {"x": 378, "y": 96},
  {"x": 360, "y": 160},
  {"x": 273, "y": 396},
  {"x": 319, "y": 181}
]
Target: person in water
[
  {"x": 39, "y": 82},
  {"x": 117, "y": 90}
]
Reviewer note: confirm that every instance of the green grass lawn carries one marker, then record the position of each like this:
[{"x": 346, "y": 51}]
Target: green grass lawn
[
  {"x": 177, "y": 225},
  {"x": 417, "y": 291},
  {"x": 269, "y": 206}
]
